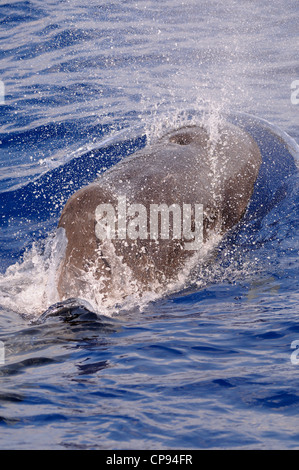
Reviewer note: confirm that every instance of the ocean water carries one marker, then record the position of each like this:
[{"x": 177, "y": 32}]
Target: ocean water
[{"x": 212, "y": 365}]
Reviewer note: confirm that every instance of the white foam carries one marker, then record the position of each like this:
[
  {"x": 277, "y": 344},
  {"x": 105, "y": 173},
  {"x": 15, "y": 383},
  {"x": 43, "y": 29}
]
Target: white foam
[{"x": 29, "y": 286}]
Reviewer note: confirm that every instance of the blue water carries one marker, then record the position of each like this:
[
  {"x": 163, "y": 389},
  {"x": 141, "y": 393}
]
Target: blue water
[{"x": 208, "y": 367}]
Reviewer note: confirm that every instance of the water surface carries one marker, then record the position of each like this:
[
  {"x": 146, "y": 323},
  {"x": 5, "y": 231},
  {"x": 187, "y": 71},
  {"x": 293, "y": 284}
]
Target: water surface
[{"x": 208, "y": 366}]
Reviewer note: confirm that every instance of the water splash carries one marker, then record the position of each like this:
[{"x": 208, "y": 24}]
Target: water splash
[{"x": 29, "y": 286}]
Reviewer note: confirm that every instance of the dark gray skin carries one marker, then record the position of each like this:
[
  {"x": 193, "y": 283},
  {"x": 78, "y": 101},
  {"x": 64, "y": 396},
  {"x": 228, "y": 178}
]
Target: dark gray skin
[{"x": 184, "y": 166}]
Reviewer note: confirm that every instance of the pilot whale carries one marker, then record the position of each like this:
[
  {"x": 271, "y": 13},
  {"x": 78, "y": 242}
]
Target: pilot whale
[{"x": 144, "y": 219}]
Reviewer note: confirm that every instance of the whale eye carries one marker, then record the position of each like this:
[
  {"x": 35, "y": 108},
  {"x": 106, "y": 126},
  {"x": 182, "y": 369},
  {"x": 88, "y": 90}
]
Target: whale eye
[{"x": 181, "y": 139}]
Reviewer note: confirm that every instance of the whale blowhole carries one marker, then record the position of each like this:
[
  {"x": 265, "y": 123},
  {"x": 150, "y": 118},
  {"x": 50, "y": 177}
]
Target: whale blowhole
[{"x": 182, "y": 138}]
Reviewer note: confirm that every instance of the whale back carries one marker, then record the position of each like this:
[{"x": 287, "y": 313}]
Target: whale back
[{"x": 185, "y": 167}]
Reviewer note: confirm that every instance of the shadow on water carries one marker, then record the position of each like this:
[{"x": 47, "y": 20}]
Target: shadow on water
[{"x": 65, "y": 332}]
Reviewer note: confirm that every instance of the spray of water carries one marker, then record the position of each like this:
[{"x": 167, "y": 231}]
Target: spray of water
[{"x": 29, "y": 286}]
